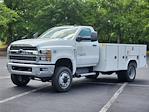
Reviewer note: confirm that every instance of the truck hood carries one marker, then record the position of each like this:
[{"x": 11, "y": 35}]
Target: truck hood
[{"x": 44, "y": 42}]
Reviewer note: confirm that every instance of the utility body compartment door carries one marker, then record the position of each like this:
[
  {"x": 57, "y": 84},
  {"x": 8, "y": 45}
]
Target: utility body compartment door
[
  {"x": 108, "y": 58},
  {"x": 122, "y": 61},
  {"x": 112, "y": 57},
  {"x": 142, "y": 56}
]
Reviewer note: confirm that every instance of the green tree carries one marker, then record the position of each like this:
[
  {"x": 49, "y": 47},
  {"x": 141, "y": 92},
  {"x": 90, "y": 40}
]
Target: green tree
[
  {"x": 7, "y": 16},
  {"x": 122, "y": 21}
]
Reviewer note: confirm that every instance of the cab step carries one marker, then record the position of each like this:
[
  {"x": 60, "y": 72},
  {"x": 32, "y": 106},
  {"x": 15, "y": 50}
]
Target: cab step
[{"x": 85, "y": 74}]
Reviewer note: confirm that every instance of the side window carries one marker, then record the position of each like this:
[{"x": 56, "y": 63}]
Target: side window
[{"x": 86, "y": 32}]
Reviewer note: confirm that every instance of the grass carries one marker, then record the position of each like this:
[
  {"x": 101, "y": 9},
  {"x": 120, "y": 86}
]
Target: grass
[
  {"x": 2, "y": 49},
  {"x": 2, "y": 46}
]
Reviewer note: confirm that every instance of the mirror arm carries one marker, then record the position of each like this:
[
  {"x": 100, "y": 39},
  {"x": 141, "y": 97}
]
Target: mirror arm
[{"x": 78, "y": 39}]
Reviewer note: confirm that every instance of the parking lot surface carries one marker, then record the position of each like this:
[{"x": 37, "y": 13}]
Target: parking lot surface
[{"x": 105, "y": 94}]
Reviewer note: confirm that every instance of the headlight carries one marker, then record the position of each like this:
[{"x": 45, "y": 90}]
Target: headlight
[{"x": 45, "y": 55}]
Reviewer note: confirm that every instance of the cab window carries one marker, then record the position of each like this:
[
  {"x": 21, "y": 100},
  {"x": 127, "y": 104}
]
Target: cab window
[{"x": 86, "y": 32}]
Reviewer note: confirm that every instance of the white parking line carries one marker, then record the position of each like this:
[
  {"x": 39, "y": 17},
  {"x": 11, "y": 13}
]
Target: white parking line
[
  {"x": 6, "y": 77},
  {"x": 138, "y": 85},
  {"x": 107, "y": 83},
  {"x": 113, "y": 98},
  {"x": 22, "y": 94}
]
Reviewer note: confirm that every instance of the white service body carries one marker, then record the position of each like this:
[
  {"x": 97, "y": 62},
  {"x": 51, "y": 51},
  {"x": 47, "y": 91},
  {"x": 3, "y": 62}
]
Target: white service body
[{"x": 114, "y": 57}]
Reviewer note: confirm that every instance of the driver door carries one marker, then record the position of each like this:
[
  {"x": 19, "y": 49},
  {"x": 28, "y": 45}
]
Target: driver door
[{"x": 87, "y": 50}]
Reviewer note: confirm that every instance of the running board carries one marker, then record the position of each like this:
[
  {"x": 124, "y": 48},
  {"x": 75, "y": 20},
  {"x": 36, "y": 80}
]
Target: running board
[{"x": 85, "y": 74}]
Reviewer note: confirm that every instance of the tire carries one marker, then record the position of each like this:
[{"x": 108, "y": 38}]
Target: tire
[
  {"x": 62, "y": 79},
  {"x": 92, "y": 76},
  {"x": 20, "y": 80},
  {"x": 129, "y": 74}
]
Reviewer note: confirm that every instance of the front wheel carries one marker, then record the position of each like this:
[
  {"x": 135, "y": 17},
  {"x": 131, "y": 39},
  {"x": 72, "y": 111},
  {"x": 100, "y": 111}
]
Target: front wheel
[
  {"x": 129, "y": 74},
  {"x": 20, "y": 80},
  {"x": 62, "y": 79}
]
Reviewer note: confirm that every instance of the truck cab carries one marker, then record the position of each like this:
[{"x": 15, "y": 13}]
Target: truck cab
[{"x": 64, "y": 52}]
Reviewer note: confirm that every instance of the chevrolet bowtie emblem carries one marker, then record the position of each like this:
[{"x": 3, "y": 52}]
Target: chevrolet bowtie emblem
[{"x": 20, "y": 51}]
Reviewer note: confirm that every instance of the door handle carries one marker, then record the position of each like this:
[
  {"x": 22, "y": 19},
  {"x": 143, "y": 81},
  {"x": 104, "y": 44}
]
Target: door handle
[{"x": 94, "y": 45}]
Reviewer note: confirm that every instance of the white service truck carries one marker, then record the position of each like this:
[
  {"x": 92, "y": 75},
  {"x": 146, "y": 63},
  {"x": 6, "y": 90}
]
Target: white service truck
[{"x": 64, "y": 52}]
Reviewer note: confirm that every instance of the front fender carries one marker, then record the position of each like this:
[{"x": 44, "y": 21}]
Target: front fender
[{"x": 67, "y": 52}]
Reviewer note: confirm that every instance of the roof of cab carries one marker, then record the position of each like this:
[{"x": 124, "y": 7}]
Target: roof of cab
[{"x": 71, "y": 26}]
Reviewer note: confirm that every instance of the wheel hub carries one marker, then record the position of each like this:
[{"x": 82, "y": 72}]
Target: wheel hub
[
  {"x": 131, "y": 72},
  {"x": 64, "y": 80}
]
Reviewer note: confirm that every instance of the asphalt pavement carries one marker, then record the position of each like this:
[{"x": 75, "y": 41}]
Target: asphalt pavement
[{"x": 105, "y": 94}]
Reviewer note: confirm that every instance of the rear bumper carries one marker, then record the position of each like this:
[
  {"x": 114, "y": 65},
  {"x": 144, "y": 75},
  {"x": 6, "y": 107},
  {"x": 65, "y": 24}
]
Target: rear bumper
[{"x": 31, "y": 69}]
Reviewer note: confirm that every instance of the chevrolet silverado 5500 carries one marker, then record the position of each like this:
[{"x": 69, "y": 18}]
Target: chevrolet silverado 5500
[{"x": 65, "y": 52}]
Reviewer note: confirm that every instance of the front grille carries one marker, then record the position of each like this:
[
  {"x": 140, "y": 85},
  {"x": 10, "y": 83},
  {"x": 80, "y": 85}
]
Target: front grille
[
  {"x": 27, "y": 58},
  {"x": 23, "y": 48},
  {"x": 23, "y": 53}
]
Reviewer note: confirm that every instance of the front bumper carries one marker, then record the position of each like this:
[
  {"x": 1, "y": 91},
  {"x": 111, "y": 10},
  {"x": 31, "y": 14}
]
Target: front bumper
[{"x": 31, "y": 69}]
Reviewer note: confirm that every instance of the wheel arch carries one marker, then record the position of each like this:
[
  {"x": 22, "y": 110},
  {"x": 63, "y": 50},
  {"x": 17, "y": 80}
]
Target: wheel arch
[
  {"x": 65, "y": 62},
  {"x": 133, "y": 61}
]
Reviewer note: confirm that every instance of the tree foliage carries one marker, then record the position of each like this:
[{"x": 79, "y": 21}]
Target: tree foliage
[
  {"x": 7, "y": 16},
  {"x": 124, "y": 21}
]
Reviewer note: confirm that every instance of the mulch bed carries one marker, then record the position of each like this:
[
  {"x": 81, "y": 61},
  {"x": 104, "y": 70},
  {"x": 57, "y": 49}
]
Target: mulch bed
[{"x": 3, "y": 52}]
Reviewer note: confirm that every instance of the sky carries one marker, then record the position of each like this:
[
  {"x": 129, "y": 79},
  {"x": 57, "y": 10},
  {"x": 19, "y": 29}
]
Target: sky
[{"x": 1, "y": 0}]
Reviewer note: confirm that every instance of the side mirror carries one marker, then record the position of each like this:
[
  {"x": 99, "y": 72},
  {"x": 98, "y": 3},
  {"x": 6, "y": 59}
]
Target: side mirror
[
  {"x": 94, "y": 36},
  {"x": 79, "y": 39},
  {"x": 35, "y": 35}
]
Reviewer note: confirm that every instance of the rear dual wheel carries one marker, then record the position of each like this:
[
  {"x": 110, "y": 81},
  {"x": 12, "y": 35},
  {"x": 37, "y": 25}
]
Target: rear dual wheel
[{"x": 129, "y": 74}]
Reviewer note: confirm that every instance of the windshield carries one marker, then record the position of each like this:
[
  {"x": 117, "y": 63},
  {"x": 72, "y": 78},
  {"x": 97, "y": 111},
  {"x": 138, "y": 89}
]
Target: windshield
[{"x": 60, "y": 33}]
